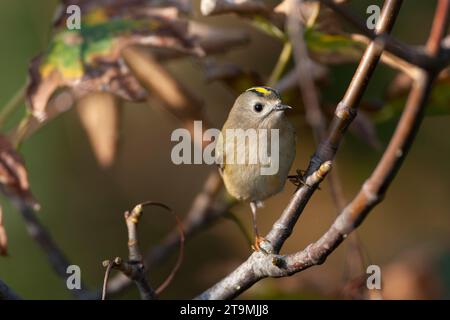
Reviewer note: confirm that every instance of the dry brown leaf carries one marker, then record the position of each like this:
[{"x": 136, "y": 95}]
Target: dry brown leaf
[
  {"x": 162, "y": 84},
  {"x": 14, "y": 177},
  {"x": 3, "y": 236},
  {"x": 172, "y": 93},
  {"x": 99, "y": 115}
]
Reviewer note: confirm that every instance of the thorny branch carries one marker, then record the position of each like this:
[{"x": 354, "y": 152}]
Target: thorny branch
[
  {"x": 55, "y": 255},
  {"x": 259, "y": 266},
  {"x": 205, "y": 210},
  {"x": 347, "y": 109},
  {"x": 310, "y": 96},
  {"x": 410, "y": 54}
]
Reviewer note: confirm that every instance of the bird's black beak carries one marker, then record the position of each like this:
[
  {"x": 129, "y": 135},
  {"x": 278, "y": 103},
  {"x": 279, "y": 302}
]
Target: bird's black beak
[{"x": 282, "y": 107}]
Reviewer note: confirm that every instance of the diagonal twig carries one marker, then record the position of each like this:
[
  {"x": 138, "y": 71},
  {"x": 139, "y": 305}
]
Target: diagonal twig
[
  {"x": 344, "y": 115},
  {"x": 204, "y": 211},
  {"x": 347, "y": 109},
  {"x": 135, "y": 268},
  {"x": 407, "y": 53}
]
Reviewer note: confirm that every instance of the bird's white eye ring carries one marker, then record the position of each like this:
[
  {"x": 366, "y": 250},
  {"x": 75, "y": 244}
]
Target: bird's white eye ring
[{"x": 258, "y": 107}]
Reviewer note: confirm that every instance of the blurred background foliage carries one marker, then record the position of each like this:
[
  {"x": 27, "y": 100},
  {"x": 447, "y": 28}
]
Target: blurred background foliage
[{"x": 83, "y": 204}]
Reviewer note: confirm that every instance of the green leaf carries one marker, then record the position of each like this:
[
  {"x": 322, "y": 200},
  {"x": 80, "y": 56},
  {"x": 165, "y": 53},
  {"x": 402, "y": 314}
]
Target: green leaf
[
  {"x": 268, "y": 27},
  {"x": 335, "y": 46},
  {"x": 71, "y": 50},
  {"x": 88, "y": 59}
]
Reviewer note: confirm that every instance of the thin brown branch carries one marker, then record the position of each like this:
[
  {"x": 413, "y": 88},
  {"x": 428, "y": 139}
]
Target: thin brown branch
[
  {"x": 135, "y": 269},
  {"x": 373, "y": 189},
  {"x": 204, "y": 211},
  {"x": 108, "y": 264},
  {"x": 55, "y": 255},
  {"x": 313, "y": 111},
  {"x": 310, "y": 96},
  {"x": 438, "y": 29}
]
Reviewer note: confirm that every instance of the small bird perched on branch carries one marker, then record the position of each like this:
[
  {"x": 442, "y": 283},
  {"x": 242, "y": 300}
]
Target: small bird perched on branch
[{"x": 255, "y": 149}]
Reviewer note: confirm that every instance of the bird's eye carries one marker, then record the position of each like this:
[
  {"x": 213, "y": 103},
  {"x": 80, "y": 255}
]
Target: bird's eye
[{"x": 258, "y": 107}]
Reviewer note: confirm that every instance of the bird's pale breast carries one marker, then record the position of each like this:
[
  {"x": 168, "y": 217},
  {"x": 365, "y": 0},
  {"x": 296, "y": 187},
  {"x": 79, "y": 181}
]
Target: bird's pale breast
[{"x": 245, "y": 181}]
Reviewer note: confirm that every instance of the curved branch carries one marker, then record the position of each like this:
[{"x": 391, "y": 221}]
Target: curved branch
[
  {"x": 347, "y": 109},
  {"x": 313, "y": 111},
  {"x": 405, "y": 52}
]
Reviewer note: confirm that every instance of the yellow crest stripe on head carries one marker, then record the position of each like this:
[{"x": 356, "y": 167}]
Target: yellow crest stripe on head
[{"x": 262, "y": 90}]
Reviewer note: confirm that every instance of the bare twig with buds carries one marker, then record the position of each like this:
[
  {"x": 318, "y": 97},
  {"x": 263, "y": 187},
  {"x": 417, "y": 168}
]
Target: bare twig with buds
[
  {"x": 135, "y": 268},
  {"x": 204, "y": 211}
]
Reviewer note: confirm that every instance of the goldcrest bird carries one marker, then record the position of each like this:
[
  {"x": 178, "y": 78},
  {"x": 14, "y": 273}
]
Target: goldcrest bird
[{"x": 257, "y": 108}]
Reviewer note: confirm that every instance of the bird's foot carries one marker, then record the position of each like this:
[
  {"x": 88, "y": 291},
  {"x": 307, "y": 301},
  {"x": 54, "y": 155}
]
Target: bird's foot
[
  {"x": 262, "y": 245},
  {"x": 299, "y": 179}
]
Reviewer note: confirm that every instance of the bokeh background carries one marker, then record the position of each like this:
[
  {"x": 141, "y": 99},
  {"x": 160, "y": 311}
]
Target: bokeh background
[{"x": 83, "y": 205}]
